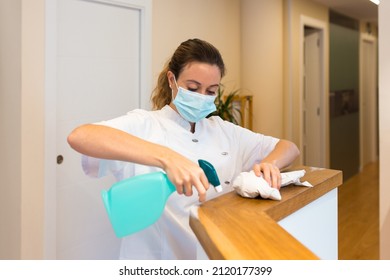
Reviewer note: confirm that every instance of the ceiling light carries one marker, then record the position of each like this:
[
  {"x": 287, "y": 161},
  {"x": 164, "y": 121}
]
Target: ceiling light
[{"x": 375, "y": 1}]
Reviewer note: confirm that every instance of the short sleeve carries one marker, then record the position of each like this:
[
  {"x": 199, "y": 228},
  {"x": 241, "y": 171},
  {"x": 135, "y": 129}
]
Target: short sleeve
[{"x": 135, "y": 122}]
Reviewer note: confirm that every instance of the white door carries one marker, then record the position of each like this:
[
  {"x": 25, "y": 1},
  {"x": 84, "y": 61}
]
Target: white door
[
  {"x": 98, "y": 76},
  {"x": 312, "y": 108},
  {"x": 369, "y": 134}
]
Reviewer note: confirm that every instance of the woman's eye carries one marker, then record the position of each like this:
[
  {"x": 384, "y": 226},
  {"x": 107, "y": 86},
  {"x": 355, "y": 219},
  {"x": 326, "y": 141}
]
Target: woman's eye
[
  {"x": 210, "y": 92},
  {"x": 192, "y": 89}
]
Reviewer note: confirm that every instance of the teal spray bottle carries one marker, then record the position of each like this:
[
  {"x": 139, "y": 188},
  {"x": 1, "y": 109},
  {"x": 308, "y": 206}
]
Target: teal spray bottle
[{"x": 137, "y": 202}]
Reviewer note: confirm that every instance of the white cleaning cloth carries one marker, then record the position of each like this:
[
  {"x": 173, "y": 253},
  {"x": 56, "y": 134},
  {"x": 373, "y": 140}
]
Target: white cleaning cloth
[{"x": 247, "y": 184}]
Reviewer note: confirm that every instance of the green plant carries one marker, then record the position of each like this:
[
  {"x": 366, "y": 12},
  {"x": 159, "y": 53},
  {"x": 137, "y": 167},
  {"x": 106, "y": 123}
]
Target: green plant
[{"x": 226, "y": 108}]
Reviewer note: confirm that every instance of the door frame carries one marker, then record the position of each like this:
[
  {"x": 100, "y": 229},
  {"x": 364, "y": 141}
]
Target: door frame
[
  {"x": 365, "y": 37},
  {"x": 145, "y": 9},
  {"x": 322, "y": 26}
]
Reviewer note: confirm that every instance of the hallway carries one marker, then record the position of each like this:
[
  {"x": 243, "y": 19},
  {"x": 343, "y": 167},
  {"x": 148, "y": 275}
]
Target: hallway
[{"x": 358, "y": 215}]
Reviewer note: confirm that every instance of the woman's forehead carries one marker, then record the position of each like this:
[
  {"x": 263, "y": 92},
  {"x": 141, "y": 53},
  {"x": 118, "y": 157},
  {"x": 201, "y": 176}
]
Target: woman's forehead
[{"x": 201, "y": 72}]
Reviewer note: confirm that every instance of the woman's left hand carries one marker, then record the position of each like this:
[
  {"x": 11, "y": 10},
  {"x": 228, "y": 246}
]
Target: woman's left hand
[{"x": 270, "y": 172}]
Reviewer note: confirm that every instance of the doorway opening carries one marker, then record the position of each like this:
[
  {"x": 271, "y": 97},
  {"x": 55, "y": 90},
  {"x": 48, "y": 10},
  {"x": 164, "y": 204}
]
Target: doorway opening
[
  {"x": 368, "y": 102},
  {"x": 313, "y": 101}
]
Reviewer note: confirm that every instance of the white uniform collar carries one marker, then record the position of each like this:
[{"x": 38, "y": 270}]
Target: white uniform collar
[{"x": 171, "y": 114}]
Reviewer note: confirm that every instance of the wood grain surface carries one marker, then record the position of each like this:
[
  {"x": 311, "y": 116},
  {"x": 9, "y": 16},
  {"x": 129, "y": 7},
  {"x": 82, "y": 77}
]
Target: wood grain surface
[{"x": 236, "y": 228}]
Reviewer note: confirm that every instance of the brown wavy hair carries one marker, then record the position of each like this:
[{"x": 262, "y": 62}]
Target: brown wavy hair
[{"x": 192, "y": 50}]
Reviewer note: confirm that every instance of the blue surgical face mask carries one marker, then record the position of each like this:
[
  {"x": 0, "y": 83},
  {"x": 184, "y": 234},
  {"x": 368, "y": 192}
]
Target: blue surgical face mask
[{"x": 193, "y": 106}]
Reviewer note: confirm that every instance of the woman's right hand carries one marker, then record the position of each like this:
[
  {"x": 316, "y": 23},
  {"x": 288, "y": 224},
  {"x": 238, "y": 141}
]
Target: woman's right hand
[{"x": 186, "y": 175}]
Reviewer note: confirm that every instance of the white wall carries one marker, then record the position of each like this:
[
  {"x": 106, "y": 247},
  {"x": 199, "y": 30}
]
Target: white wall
[
  {"x": 262, "y": 62},
  {"x": 32, "y": 128},
  {"x": 384, "y": 128},
  {"x": 22, "y": 123},
  {"x": 10, "y": 119},
  {"x": 216, "y": 21}
]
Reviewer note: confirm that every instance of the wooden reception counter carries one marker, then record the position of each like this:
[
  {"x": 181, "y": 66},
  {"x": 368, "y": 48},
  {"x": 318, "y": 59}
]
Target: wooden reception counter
[{"x": 233, "y": 227}]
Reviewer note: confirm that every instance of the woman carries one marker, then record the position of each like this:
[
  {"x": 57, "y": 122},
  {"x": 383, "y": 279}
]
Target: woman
[{"x": 172, "y": 138}]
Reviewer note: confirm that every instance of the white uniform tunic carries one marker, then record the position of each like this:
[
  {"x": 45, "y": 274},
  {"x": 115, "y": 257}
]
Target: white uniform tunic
[{"x": 230, "y": 148}]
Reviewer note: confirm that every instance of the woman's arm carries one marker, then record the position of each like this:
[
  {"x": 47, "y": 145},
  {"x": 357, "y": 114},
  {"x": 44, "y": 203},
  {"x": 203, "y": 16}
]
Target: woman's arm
[
  {"x": 109, "y": 143},
  {"x": 284, "y": 153}
]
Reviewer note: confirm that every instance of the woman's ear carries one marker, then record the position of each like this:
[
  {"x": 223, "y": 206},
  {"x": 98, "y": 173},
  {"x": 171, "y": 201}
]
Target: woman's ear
[{"x": 171, "y": 78}]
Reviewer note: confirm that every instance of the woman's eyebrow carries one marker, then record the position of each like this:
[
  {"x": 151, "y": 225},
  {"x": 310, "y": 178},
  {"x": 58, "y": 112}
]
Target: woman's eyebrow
[
  {"x": 193, "y": 81},
  {"x": 198, "y": 83}
]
